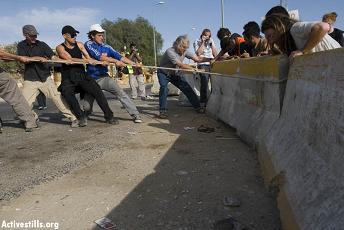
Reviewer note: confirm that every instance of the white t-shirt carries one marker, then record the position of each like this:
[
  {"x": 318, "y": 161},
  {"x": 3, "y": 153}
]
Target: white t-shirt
[
  {"x": 207, "y": 51},
  {"x": 301, "y": 31}
]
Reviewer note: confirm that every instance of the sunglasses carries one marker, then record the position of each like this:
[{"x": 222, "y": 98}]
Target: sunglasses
[
  {"x": 72, "y": 35},
  {"x": 32, "y": 36}
]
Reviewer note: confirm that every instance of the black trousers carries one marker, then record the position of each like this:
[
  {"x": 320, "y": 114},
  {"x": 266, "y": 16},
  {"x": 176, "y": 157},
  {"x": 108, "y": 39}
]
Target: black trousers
[
  {"x": 204, "y": 84},
  {"x": 88, "y": 85}
]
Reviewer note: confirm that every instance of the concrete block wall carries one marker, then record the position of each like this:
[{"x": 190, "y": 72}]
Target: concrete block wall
[
  {"x": 250, "y": 105},
  {"x": 301, "y": 146}
]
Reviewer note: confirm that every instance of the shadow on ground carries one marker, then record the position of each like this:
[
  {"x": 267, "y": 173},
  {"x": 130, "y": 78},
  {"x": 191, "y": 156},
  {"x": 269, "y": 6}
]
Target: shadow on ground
[{"x": 187, "y": 189}]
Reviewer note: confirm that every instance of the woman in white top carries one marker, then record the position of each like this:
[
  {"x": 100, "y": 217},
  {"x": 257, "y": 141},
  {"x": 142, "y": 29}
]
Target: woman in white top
[
  {"x": 297, "y": 38},
  {"x": 205, "y": 48}
]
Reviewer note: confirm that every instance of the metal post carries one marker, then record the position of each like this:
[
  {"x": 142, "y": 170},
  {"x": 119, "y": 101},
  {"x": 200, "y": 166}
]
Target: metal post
[
  {"x": 154, "y": 44},
  {"x": 154, "y": 38},
  {"x": 284, "y": 3},
  {"x": 222, "y": 15}
]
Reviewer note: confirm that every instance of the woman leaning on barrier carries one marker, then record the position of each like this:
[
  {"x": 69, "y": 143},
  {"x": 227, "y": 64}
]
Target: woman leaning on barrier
[{"x": 296, "y": 38}]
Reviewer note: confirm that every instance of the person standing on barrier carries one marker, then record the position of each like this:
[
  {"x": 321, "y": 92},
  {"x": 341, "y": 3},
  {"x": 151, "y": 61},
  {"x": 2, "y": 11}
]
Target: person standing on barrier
[
  {"x": 74, "y": 77},
  {"x": 37, "y": 75},
  {"x": 297, "y": 38},
  {"x": 102, "y": 52},
  {"x": 10, "y": 92},
  {"x": 173, "y": 58},
  {"x": 205, "y": 47}
]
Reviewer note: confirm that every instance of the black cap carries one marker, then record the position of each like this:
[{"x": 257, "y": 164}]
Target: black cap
[{"x": 69, "y": 30}]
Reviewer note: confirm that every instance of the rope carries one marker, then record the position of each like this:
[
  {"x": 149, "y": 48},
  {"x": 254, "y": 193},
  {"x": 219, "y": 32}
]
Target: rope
[
  {"x": 194, "y": 71},
  {"x": 218, "y": 74}
]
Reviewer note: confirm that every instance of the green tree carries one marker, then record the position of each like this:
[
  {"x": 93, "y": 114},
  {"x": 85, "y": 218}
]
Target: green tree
[
  {"x": 11, "y": 66},
  {"x": 122, "y": 32}
]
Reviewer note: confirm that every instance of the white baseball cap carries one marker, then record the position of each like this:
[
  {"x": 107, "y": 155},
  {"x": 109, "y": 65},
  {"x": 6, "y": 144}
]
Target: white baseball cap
[{"x": 97, "y": 27}]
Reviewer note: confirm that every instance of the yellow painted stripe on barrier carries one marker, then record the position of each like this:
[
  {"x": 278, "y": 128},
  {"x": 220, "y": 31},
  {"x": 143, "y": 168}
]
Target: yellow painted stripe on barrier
[{"x": 256, "y": 67}]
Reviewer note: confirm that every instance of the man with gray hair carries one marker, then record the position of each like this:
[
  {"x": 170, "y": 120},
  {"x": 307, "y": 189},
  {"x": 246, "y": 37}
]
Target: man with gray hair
[{"x": 173, "y": 58}]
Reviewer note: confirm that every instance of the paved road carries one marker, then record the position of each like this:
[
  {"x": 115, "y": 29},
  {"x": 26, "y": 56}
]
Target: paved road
[{"x": 162, "y": 174}]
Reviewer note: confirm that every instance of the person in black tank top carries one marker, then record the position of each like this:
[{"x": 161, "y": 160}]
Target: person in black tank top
[{"x": 75, "y": 80}]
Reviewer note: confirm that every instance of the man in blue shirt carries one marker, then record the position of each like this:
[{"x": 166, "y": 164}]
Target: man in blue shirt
[{"x": 102, "y": 52}]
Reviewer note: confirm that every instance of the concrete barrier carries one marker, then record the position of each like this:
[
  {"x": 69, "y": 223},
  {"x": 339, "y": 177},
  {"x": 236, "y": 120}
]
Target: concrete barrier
[
  {"x": 250, "y": 106},
  {"x": 305, "y": 147},
  {"x": 172, "y": 90},
  {"x": 301, "y": 147}
]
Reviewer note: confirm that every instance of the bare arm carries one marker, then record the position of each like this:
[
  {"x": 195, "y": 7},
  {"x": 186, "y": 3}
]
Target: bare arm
[
  {"x": 184, "y": 66},
  {"x": 63, "y": 54},
  {"x": 128, "y": 61},
  {"x": 136, "y": 55},
  {"x": 220, "y": 55},
  {"x": 319, "y": 30},
  {"x": 88, "y": 57},
  {"x": 105, "y": 58},
  {"x": 200, "y": 49},
  {"x": 194, "y": 58},
  {"x": 200, "y": 59},
  {"x": 4, "y": 55},
  {"x": 213, "y": 50}
]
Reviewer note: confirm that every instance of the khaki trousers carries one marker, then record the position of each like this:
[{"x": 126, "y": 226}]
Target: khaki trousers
[
  {"x": 48, "y": 88},
  {"x": 10, "y": 92},
  {"x": 137, "y": 85}
]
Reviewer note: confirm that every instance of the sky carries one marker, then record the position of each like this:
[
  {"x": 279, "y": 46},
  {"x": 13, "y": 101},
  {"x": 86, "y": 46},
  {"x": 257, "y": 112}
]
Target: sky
[{"x": 171, "y": 19}]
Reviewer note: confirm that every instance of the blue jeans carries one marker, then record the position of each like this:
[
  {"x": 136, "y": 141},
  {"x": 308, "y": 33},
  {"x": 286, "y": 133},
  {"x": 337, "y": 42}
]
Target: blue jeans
[{"x": 180, "y": 83}]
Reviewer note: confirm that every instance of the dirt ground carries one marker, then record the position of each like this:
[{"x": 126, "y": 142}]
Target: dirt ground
[{"x": 161, "y": 174}]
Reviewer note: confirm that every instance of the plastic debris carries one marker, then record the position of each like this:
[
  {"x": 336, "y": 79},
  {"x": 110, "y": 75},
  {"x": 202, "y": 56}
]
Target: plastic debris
[{"x": 105, "y": 223}]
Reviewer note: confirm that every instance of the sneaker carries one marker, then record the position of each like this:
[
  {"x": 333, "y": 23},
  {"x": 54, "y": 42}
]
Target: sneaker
[
  {"x": 133, "y": 98},
  {"x": 42, "y": 108},
  {"x": 74, "y": 124},
  {"x": 163, "y": 115},
  {"x": 28, "y": 130},
  {"x": 137, "y": 119},
  {"x": 82, "y": 122},
  {"x": 37, "y": 123},
  {"x": 112, "y": 121}
]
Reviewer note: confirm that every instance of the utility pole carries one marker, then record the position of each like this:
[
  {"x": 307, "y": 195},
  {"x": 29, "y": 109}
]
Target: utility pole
[
  {"x": 154, "y": 38},
  {"x": 284, "y": 3},
  {"x": 222, "y": 15}
]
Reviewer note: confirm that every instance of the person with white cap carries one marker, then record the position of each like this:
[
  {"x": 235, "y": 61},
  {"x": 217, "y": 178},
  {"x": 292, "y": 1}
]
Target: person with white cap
[
  {"x": 102, "y": 52},
  {"x": 37, "y": 75},
  {"x": 75, "y": 79}
]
